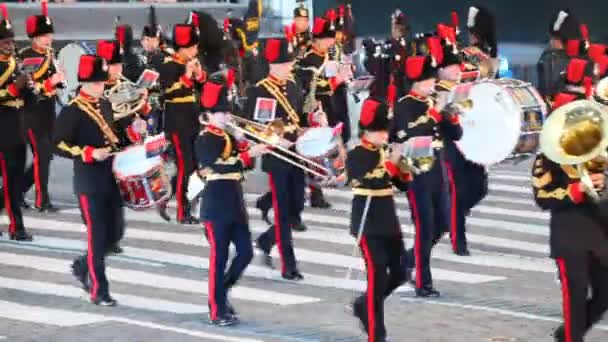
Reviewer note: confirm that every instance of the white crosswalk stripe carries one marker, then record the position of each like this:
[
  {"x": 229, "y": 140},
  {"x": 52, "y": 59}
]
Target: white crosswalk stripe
[{"x": 509, "y": 236}]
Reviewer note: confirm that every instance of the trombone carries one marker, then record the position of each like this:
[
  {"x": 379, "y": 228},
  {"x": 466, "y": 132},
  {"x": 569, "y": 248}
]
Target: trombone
[{"x": 268, "y": 135}]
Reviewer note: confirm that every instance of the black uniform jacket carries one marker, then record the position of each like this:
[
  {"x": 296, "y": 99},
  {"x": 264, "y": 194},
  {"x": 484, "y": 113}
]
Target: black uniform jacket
[
  {"x": 40, "y": 114},
  {"x": 11, "y": 106},
  {"x": 179, "y": 96},
  {"x": 416, "y": 116},
  {"x": 370, "y": 174},
  {"x": 576, "y": 223},
  {"x": 551, "y": 66},
  {"x": 223, "y": 160},
  {"x": 303, "y": 43},
  {"x": 82, "y": 126},
  {"x": 287, "y": 99}
]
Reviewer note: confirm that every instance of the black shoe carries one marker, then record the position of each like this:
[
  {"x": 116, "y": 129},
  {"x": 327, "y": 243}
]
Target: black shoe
[
  {"x": 230, "y": 309},
  {"x": 81, "y": 275},
  {"x": 427, "y": 292},
  {"x": 264, "y": 210},
  {"x": 162, "y": 212},
  {"x": 189, "y": 220},
  {"x": 299, "y": 227},
  {"x": 559, "y": 334},
  {"x": 463, "y": 252},
  {"x": 266, "y": 258},
  {"x": 224, "y": 321},
  {"x": 49, "y": 208},
  {"x": 293, "y": 275},
  {"x": 320, "y": 203},
  {"x": 116, "y": 249},
  {"x": 105, "y": 301},
  {"x": 24, "y": 205},
  {"x": 359, "y": 312},
  {"x": 21, "y": 235}
]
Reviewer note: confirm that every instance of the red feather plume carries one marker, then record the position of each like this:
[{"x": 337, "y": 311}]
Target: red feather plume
[
  {"x": 585, "y": 32},
  {"x": 455, "y": 19},
  {"x": 45, "y": 8},
  {"x": 4, "y": 11}
]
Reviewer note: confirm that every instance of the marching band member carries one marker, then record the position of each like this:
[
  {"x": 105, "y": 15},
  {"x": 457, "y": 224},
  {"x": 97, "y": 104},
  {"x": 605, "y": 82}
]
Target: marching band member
[
  {"x": 85, "y": 133},
  {"x": 578, "y": 240},
  {"x": 418, "y": 115},
  {"x": 179, "y": 75},
  {"x": 467, "y": 180},
  {"x": 132, "y": 66},
  {"x": 13, "y": 88},
  {"x": 553, "y": 61},
  {"x": 301, "y": 25},
  {"x": 372, "y": 174},
  {"x": 222, "y": 158},
  {"x": 483, "y": 48},
  {"x": 40, "y": 110},
  {"x": 278, "y": 97}
]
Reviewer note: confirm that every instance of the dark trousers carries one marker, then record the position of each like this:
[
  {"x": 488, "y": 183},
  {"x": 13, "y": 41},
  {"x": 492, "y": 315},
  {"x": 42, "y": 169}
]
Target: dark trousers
[
  {"x": 383, "y": 260},
  {"x": 578, "y": 273},
  {"x": 430, "y": 209},
  {"x": 12, "y": 163},
  {"x": 287, "y": 187},
  {"x": 38, "y": 173},
  {"x": 104, "y": 217},
  {"x": 184, "y": 160},
  {"x": 220, "y": 235}
]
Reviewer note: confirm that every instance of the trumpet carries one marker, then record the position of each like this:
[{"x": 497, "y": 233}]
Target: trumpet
[
  {"x": 126, "y": 98},
  {"x": 268, "y": 136}
]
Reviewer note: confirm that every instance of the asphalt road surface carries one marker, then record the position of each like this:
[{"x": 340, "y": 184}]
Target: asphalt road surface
[{"x": 505, "y": 291}]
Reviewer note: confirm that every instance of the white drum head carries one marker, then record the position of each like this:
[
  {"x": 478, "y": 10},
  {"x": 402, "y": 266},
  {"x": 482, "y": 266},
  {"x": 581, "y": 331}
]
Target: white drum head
[
  {"x": 491, "y": 129},
  {"x": 316, "y": 142},
  {"x": 133, "y": 162}
]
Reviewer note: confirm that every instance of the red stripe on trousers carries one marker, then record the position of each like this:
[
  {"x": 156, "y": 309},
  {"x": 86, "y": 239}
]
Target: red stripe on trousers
[
  {"x": 566, "y": 299},
  {"x": 371, "y": 309},
  {"x": 212, "y": 269},
  {"x": 453, "y": 221},
  {"x": 180, "y": 176},
  {"x": 84, "y": 204},
  {"x": 12, "y": 226},
  {"x": 417, "y": 242},
  {"x": 36, "y": 165},
  {"x": 277, "y": 224}
]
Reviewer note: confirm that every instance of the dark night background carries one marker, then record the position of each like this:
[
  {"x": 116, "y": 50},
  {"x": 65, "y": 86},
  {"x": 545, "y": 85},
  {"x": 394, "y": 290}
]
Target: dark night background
[{"x": 524, "y": 21}]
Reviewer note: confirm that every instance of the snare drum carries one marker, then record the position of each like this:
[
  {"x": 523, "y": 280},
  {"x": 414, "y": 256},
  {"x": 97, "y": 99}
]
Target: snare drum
[
  {"x": 321, "y": 145},
  {"x": 504, "y": 123},
  {"x": 142, "y": 181}
]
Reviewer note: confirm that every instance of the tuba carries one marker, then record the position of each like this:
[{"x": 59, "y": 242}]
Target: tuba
[
  {"x": 127, "y": 98},
  {"x": 577, "y": 134}
]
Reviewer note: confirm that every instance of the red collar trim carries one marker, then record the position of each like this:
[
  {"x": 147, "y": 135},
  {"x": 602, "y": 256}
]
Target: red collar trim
[
  {"x": 215, "y": 130},
  {"x": 368, "y": 145},
  {"x": 178, "y": 59},
  {"x": 87, "y": 97},
  {"x": 417, "y": 96},
  {"x": 277, "y": 81}
]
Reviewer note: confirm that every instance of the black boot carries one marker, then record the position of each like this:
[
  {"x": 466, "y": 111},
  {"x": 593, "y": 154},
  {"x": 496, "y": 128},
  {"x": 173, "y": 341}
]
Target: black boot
[
  {"x": 263, "y": 203},
  {"x": 47, "y": 207},
  {"x": 21, "y": 235},
  {"x": 162, "y": 212},
  {"x": 317, "y": 200},
  {"x": 188, "y": 217},
  {"x": 79, "y": 270},
  {"x": 24, "y": 205}
]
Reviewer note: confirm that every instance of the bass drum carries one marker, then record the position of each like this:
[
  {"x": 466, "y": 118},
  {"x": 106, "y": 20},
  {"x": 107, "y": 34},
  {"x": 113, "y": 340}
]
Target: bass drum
[
  {"x": 68, "y": 59},
  {"x": 504, "y": 123}
]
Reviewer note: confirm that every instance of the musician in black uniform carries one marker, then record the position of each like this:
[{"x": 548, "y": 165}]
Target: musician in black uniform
[
  {"x": 279, "y": 97},
  {"x": 552, "y": 63},
  {"x": 223, "y": 155},
  {"x": 180, "y": 75},
  {"x": 301, "y": 25},
  {"x": 13, "y": 88},
  {"x": 132, "y": 64},
  {"x": 85, "y": 133},
  {"x": 418, "y": 115},
  {"x": 467, "y": 181},
  {"x": 578, "y": 233},
  {"x": 483, "y": 43},
  {"x": 373, "y": 172},
  {"x": 40, "y": 110}
]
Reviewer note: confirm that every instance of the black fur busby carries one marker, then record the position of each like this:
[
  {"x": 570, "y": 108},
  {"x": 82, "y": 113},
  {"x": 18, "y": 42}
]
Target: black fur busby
[
  {"x": 323, "y": 28},
  {"x": 278, "y": 51},
  {"x": 151, "y": 30},
  {"x": 374, "y": 115},
  {"x": 482, "y": 23},
  {"x": 185, "y": 36},
  {"x": 6, "y": 28},
  {"x": 564, "y": 26},
  {"x": 92, "y": 68},
  {"x": 110, "y": 50},
  {"x": 38, "y": 25}
]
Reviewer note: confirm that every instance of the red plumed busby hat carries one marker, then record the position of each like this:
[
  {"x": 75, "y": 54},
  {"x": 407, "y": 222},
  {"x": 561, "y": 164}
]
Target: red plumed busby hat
[
  {"x": 214, "y": 97},
  {"x": 92, "y": 68},
  {"x": 278, "y": 50},
  {"x": 6, "y": 29},
  {"x": 374, "y": 115},
  {"x": 37, "y": 25},
  {"x": 451, "y": 53},
  {"x": 185, "y": 36},
  {"x": 124, "y": 35},
  {"x": 110, "y": 50},
  {"x": 323, "y": 28}
]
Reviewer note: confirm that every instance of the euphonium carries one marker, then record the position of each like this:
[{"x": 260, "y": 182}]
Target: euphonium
[
  {"x": 601, "y": 91},
  {"x": 126, "y": 98}
]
